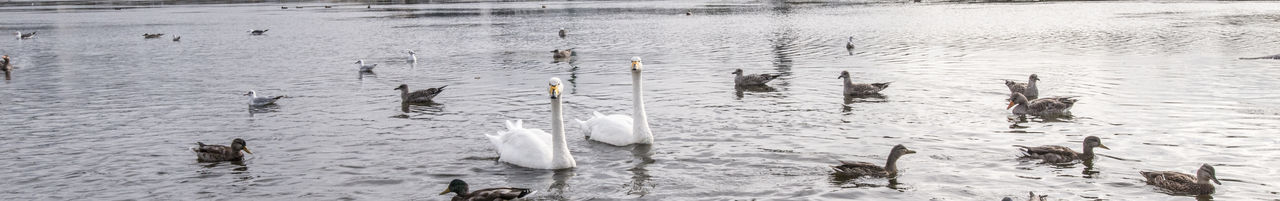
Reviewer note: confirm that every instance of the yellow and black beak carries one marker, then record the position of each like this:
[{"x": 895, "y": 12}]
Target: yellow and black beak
[
  {"x": 1103, "y": 146},
  {"x": 246, "y": 150},
  {"x": 446, "y": 191},
  {"x": 555, "y": 91},
  {"x": 635, "y": 65},
  {"x": 1011, "y": 103}
]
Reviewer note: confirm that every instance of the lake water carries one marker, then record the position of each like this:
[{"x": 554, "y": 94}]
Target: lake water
[{"x": 95, "y": 111}]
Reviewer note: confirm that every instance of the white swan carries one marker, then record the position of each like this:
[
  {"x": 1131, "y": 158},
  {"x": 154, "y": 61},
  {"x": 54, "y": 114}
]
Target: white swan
[
  {"x": 622, "y": 130},
  {"x": 534, "y": 148}
]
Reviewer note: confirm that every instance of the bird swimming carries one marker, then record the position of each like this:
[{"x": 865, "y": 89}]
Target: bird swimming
[
  {"x": 1183, "y": 183},
  {"x": 860, "y": 89},
  {"x": 460, "y": 188},
  {"x": 1040, "y": 107},
  {"x": 861, "y": 169},
  {"x": 752, "y": 79},
  {"x": 364, "y": 67},
  {"x": 561, "y": 54},
  {"x": 257, "y": 32},
  {"x": 25, "y": 36},
  {"x": 151, "y": 35},
  {"x": 1061, "y": 154},
  {"x": 218, "y": 153},
  {"x": 1027, "y": 89},
  {"x": 419, "y": 96},
  {"x": 534, "y": 148},
  {"x": 255, "y": 101},
  {"x": 619, "y": 129}
]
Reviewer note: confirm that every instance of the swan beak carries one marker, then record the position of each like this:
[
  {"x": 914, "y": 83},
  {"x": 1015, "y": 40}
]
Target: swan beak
[
  {"x": 446, "y": 191},
  {"x": 635, "y": 65},
  {"x": 1103, "y": 146},
  {"x": 1011, "y": 103},
  {"x": 555, "y": 91},
  {"x": 246, "y": 150}
]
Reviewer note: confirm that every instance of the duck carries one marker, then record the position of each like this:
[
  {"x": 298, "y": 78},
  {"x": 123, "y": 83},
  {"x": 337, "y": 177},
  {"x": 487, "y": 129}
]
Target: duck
[
  {"x": 1033, "y": 197},
  {"x": 25, "y": 36},
  {"x": 861, "y": 89},
  {"x": 459, "y": 187},
  {"x": 257, "y": 32},
  {"x": 5, "y": 65},
  {"x": 219, "y": 153},
  {"x": 861, "y": 169},
  {"x": 534, "y": 148},
  {"x": 1027, "y": 89},
  {"x": 618, "y": 129},
  {"x": 752, "y": 79},
  {"x": 562, "y": 54},
  {"x": 413, "y": 56},
  {"x": 177, "y": 38},
  {"x": 1040, "y": 107},
  {"x": 151, "y": 35},
  {"x": 849, "y": 45},
  {"x": 419, "y": 96},
  {"x": 563, "y": 33},
  {"x": 1183, "y": 183},
  {"x": 364, "y": 67},
  {"x": 255, "y": 101},
  {"x": 1061, "y": 154}
]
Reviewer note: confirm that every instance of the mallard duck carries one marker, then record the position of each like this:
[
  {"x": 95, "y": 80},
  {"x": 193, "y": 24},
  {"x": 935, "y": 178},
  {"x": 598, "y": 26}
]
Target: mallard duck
[
  {"x": 151, "y": 35},
  {"x": 534, "y": 148},
  {"x": 860, "y": 89},
  {"x": 255, "y": 101},
  {"x": 419, "y": 96},
  {"x": 562, "y": 54},
  {"x": 563, "y": 33},
  {"x": 1040, "y": 107},
  {"x": 216, "y": 153},
  {"x": 257, "y": 32},
  {"x": 1060, "y": 154},
  {"x": 752, "y": 79},
  {"x": 1027, "y": 89},
  {"x": 859, "y": 169},
  {"x": 507, "y": 193},
  {"x": 25, "y": 36},
  {"x": 364, "y": 67},
  {"x": 1183, "y": 183},
  {"x": 618, "y": 129}
]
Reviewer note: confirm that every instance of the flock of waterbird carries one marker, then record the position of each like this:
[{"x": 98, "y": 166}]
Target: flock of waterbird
[{"x": 535, "y": 148}]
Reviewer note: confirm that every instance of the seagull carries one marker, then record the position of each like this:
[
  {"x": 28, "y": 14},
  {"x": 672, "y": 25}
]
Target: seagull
[
  {"x": 25, "y": 36},
  {"x": 850, "y": 44},
  {"x": 255, "y": 101},
  {"x": 151, "y": 36},
  {"x": 257, "y": 32},
  {"x": 413, "y": 56},
  {"x": 365, "y": 68}
]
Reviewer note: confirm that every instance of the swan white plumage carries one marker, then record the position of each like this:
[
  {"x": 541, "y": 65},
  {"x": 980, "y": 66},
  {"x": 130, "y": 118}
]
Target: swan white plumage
[
  {"x": 622, "y": 130},
  {"x": 534, "y": 148}
]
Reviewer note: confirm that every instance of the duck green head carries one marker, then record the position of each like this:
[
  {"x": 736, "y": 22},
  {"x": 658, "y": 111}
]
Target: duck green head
[
  {"x": 238, "y": 144},
  {"x": 456, "y": 186},
  {"x": 1207, "y": 173}
]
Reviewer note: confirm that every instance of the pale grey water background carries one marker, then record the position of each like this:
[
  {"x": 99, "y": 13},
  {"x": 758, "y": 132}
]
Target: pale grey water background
[{"x": 96, "y": 112}]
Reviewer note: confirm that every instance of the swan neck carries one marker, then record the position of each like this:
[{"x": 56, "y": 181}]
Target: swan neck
[
  {"x": 640, "y": 124},
  {"x": 559, "y": 148}
]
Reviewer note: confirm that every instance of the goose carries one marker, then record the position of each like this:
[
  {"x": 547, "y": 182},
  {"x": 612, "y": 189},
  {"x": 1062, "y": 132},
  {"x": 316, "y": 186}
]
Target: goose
[
  {"x": 1183, "y": 183},
  {"x": 459, "y": 187},
  {"x": 1040, "y": 107},
  {"x": 1027, "y": 89},
  {"x": 365, "y": 68},
  {"x": 563, "y": 33},
  {"x": 623, "y": 130},
  {"x": 860, "y": 169},
  {"x": 562, "y": 54},
  {"x": 151, "y": 35},
  {"x": 218, "y": 153},
  {"x": 255, "y": 101},
  {"x": 534, "y": 148},
  {"x": 752, "y": 79},
  {"x": 861, "y": 89},
  {"x": 849, "y": 45},
  {"x": 419, "y": 96},
  {"x": 25, "y": 36},
  {"x": 259, "y": 32},
  {"x": 1061, "y": 154},
  {"x": 413, "y": 56}
]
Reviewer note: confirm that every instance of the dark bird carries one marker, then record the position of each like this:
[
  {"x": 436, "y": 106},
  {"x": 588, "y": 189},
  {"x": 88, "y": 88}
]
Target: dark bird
[
  {"x": 489, "y": 194},
  {"x": 217, "y": 153},
  {"x": 419, "y": 96},
  {"x": 752, "y": 79},
  {"x": 177, "y": 38},
  {"x": 1061, "y": 154},
  {"x": 257, "y": 32},
  {"x": 849, "y": 45},
  {"x": 860, "y": 169},
  {"x": 151, "y": 36},
  {"x": 1183, "y": 183},
  {"x": 25, "y": 36},
  {"x": 563, "y": 33},
  {"x": 1027, "y": 89},
  {"x": 561, "y": 54},
  {"x": 1040, "y": 107}
]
